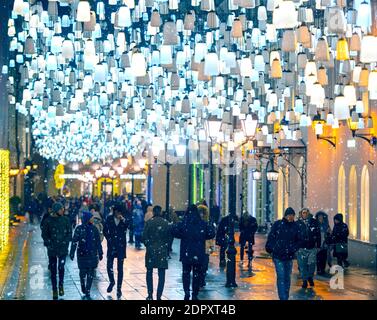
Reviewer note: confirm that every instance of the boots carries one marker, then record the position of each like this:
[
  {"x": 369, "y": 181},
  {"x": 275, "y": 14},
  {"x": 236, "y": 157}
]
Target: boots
[
  {"x": 61, "y": 290},
  {"x": 55, "y": 295},
  {"x": 304, "y": 284},
  {"x": 311, "y": 282},
  {"x": 110, "y": 287}
]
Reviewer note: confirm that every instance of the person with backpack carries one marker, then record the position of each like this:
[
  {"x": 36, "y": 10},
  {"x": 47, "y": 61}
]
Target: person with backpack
[
  {"x": 86, "y": 240},
  {"x": 248, "y": 228},
  {"x": 193, "y": 232}
]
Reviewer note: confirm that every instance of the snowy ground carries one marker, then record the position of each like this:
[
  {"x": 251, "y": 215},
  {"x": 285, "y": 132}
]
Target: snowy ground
[{"x": 24, "y": 275}]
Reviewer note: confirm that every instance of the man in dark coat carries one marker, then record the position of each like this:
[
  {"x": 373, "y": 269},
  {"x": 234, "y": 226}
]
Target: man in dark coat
[
  {"x": 222, "y": 235},
  {"x": 56, "y": 234},
  {"x": 323, "y": 254},
  {"x": 248, "y": 227},
  {"x": 309, "y": 235},
  {"x": 115, "y": 232},
  {"x": 339, "y": 238},
  {"x": 87, "y": 238},
  {"x": 156, "y": 237},
  {"x": 193, "y": 232},
  {"x": 282, "y": 244}
]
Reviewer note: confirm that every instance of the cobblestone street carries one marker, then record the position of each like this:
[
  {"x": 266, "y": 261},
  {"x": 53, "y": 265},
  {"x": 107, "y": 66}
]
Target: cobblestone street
[{"x": 24, "y": 275}]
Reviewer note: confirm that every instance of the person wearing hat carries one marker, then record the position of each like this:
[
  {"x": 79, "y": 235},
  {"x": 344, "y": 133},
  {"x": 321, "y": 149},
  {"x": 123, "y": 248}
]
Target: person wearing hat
[
  {"x": 86, "y": 239},
  {"x": 339, "y": 238},
  {"x": 115, "y": 232},
  {"x": 282, "y": 243},
  {"x": 56, "y": 234}
]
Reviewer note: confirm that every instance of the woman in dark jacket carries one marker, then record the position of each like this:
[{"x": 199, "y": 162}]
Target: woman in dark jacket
[
  {"x": 87, "y": 240},
  {"x": 339, "y": 238},
  {"x": 222, "y": 235},
  {"x": 193, "y": 232},
  {"x": 248, "y": 227}
]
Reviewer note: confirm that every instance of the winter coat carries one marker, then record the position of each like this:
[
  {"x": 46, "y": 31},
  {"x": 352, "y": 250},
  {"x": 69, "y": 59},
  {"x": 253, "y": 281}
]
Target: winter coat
[
  {"x": 156, "y": 237},
  {"x": 86, "y": 239},
  {"x": 325, "y": 229},
  {"x": 223, "y": 231},
  {"x": 138, "y": 220},
  {"x": 116, "y": 236},
  {"x": 339, "y": 235},
  {"x": 309, "y": 233},
  {"x": 193, "y": 232},
  {"x": 283, "y": 240},
  {"x": 56, "y": 234},
  {"x": 248, "y": 227}
]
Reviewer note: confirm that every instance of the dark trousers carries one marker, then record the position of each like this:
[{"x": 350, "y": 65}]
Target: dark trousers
[
  {"x": 186, "y": 278},
  {"x": 161, "y": 282},
  {"x": 86, "y": 279},
  {"x": 110, "y": 270},
  {"x": 249, "y": 249},
  {"x": 131, "y": 234},
  {"x": 56, "y": 264},
  {"x": 138, "y": 238},
  {"x": 203, "y": 274},
  {"x": 222, "y": 254},
  {"x": 321, "y": 260}
]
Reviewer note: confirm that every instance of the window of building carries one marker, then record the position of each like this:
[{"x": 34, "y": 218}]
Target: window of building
[
  {"x": 352, "y": 203},
  {"x": 365, "y": 205},
  {"x": 342, "y": 191}
]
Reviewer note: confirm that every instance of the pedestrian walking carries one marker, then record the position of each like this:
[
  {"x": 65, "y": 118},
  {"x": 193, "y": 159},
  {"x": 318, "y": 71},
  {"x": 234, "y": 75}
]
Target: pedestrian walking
[
  {"x": 115, "y": 232},
  {"x": 282, "y": 244},
  {"x": 204, "y": 214},
  {"x": 172, "y": 218},
  {"x": 193, "y": 232},
  {"x": 322, "y": 255},
  {"x": 156, "y": 237},
  {"x": 97, "y": 219},
  {"x": 309, "y": 244},
  {"x": 86, "y": 239},
  {"x": 339, "y": 238},
  {"x": 138, "y": 223},
  {"x": 149, "y": 214},
  {"x": 56, "y": 234},
  {"x": 248, "y": 228},
  {"x": 222, "y": 235}
]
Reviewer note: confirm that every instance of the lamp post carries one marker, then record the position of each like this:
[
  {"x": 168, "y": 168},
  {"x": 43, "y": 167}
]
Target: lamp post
[{"x": 213, "y": 125}]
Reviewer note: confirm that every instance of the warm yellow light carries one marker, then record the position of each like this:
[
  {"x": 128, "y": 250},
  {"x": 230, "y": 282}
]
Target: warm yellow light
[
  {"x": 342, "y": 52},
  {"x": 353, "y": 125},
  {"x": 14, "y": 172},
  {"x": 25, "y": 171},
  {"x": 4, "y": 198}
]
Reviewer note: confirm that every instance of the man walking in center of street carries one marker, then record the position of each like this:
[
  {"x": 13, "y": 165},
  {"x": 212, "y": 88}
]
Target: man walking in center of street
[
  {"x": 309, "y": 235},
  {"x": 156, "y": 237},
  {"x": 115, "y": 232},
  {"x": 193, "y": 232},
  {"x": 282, "y": 244},
  {"x": 56, "y": 234}
]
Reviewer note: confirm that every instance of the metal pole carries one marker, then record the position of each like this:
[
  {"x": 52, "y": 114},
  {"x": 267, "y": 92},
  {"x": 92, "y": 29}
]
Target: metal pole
[
  {"x": 167, "y": 186},
  {"x": 210, "y": 178},
  {"x": 149, "y": 183}
]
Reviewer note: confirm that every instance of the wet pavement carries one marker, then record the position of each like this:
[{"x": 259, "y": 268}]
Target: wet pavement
[{"x": 24, "y": 275}]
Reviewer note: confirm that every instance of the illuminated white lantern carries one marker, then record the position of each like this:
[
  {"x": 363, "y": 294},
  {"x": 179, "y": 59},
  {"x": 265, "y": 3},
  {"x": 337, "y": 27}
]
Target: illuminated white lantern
[{"x": 83, "y": 11}]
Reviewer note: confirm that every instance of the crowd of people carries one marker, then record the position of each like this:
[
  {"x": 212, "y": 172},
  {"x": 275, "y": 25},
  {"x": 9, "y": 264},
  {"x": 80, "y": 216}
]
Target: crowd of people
[
  {"x": 311, "y": 240},
  {"x": 78, "y": 227}
]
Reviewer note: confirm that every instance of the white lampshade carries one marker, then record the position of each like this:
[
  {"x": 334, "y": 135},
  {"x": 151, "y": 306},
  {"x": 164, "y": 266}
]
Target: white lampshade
[
  {"x": 83, "y": 11},
  {"x": 142, "y": 162},
  {"x": 211, "y": 64},
  {"x": 138, "y": 65},
  {"x": 124, "y": 162},
  {"x": 341, "y": 108},
  {"x": 368, "y": 52}
]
